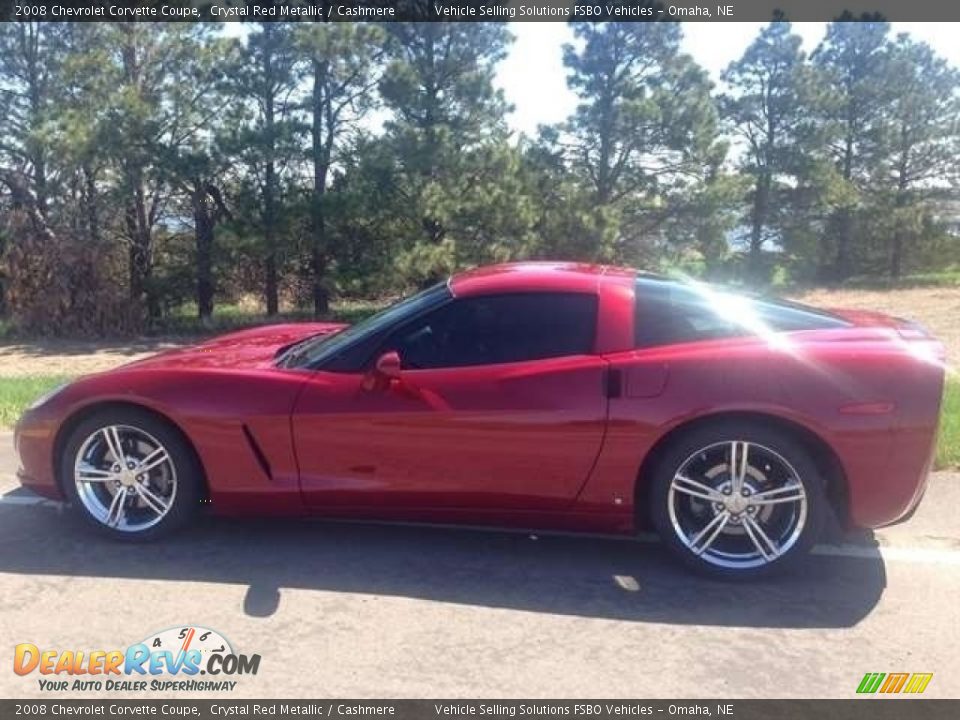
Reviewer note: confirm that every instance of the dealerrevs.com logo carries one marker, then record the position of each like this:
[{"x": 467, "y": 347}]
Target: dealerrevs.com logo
[{"x": 169, "y": 660}]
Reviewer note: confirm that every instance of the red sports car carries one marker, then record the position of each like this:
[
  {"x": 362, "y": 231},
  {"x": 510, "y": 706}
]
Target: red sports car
[{"x": 545, "y": 395}]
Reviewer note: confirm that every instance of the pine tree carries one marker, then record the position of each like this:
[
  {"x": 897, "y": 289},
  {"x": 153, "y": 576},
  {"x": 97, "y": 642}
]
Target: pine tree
[
  {"x": 344, "y": 62},
  {"x": 447, "y": 133},
  {"x": 853, "y": 62},
  {"x": 31, "y": 58},
  {"x": 919, "y": 141},
  {"x": 267, "y": 82},
  {"x": 196, "y": 161},
  {"x": 766, "y": 109},
  {"x": 644, "y": 130}
]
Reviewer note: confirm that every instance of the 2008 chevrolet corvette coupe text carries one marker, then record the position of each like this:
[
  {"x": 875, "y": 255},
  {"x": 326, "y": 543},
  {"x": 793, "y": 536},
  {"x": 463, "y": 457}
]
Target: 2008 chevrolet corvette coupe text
[{"x": 547, "y": 395}]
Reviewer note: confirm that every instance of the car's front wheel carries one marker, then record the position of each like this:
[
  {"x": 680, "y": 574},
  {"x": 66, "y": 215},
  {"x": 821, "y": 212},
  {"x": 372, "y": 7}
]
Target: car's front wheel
[
  {"x": 130, "y": 475},
  {"x": 737, "y": 499}
]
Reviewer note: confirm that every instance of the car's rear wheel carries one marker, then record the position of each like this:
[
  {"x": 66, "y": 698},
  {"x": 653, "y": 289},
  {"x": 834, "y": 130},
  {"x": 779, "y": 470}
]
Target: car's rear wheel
[
  {"x": 737, "y": 499},
  {"x": 130, "y": 475}
]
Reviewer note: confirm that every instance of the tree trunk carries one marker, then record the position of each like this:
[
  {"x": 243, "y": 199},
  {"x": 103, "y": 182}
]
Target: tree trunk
[
  {"x": 85, "y": 296},
  {"x": 92, "y": 205},
  {"x": 139, "y": 227},
  {"x": 142, "y": 297},
  {"x": 318, "y": 267},
  {"x": 204, "y": 233},
  {"x": 896, "y": 255},
  {"x": 40, "y": 180},
  {"x": 321, "y": 163},
  {"x": 269, "y": 236},
  {"x": 139, "y": 269},
  {"x": 843, "y": 265},
  {"x": 272, "y": 285},
  {"x": 825, "y": 274},
  {"x": 761, "y": 201},
  {"x": 834, "y": 262},
  {"x": 269, "y": 198},
  {"x": 35, "y": 63},
  {"x": 896, "y": 251}
]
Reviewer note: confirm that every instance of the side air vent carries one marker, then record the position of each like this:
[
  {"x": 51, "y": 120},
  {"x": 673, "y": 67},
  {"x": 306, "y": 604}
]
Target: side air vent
[{"x": 257, "y": 452}]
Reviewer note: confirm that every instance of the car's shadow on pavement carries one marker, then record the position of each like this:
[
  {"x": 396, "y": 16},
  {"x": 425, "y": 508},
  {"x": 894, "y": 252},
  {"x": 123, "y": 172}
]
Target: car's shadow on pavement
[{"x": 582, "y": 576}]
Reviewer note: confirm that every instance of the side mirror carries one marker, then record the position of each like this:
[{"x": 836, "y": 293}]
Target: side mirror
[{"x": 388, "y": 365}]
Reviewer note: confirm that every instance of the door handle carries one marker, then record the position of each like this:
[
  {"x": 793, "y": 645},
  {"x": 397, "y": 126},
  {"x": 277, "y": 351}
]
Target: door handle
[{"x": 613, "y": 383}]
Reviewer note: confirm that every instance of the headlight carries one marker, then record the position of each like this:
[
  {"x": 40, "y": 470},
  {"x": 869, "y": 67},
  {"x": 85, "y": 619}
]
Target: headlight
[{"x": 46, "y": 396}]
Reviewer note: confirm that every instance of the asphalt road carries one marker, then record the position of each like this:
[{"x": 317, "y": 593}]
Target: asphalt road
[{"x": 349, "y": 610}]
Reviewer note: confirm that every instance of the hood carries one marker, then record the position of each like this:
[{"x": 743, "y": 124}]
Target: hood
[{"x": 252, "y": 348}]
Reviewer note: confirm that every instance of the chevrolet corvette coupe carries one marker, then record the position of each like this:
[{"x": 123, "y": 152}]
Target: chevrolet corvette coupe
[{"x": 548, "y": 395}]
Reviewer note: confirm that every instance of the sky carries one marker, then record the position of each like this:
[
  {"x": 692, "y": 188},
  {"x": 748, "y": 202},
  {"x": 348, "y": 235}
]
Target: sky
[{"x": 533, "y": 78}]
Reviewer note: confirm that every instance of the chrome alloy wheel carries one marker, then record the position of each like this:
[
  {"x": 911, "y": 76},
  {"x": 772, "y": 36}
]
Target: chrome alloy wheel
[
  {"x": 125, "y": 478},
  {"x": 737, "y": 504}
]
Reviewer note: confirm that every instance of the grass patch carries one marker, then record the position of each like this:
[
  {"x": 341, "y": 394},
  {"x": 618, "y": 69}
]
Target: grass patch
[
  {"x": 16, "y": 393},
  {"x": 184, "y": 321},
  {"x": 950, "y": 277},
  {"x": 948, "y": 447}
]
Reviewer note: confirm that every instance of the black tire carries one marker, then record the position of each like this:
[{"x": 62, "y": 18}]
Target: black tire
[
  {"x": 729, "y": 559},
  {"x": 188, "y": 473}
]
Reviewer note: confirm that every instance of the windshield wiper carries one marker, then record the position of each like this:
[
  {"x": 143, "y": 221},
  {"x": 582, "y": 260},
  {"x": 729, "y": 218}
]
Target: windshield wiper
[{"x": 288, "y": 354}]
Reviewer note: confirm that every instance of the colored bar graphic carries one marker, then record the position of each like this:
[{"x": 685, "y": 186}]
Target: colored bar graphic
[
  {"x": 894, "y": 683},
  {"x": 918, "y": 682},
  {"x": 870, "y": 683}
]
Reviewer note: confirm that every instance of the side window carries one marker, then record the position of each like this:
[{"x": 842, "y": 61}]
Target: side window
[
  {"x": 669, "y": 312},
  {"x": 498, "y": 329}
]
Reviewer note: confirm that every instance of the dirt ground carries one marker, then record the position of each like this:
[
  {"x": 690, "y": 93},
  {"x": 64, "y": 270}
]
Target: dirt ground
[
  {"x": 69, "y": 357},
  {"x": 938, "y": 309}
]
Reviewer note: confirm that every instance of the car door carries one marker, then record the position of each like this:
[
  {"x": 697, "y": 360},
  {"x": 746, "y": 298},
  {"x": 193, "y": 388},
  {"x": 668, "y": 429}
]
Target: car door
[{"x": 499, "y": 403}]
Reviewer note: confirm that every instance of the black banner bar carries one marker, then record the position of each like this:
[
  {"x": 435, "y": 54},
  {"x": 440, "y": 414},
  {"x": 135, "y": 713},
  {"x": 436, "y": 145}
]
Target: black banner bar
[
  {"x": 476, "y": 10},
  {"x": 872, "y": 708}
]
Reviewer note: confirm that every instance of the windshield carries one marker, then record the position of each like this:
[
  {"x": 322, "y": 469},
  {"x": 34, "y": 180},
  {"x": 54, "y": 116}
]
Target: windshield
[{"x": 314, "y": 350}]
